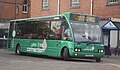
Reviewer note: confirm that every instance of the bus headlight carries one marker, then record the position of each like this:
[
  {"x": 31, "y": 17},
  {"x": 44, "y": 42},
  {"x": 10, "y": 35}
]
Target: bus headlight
[
  {"x": 77, "y": 49},
  {"x": 100, "y": 51}
]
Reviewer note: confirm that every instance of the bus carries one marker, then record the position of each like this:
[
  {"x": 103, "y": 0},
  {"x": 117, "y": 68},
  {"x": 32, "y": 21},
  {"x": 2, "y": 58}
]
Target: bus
[{"x": 68, "y": 35}]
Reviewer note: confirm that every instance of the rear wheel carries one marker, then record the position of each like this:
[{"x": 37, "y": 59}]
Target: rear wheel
[
  {"x": 98, "y": 59},
  {"x": 65, "y": 54},
  {"x": 18, "y": 49}
]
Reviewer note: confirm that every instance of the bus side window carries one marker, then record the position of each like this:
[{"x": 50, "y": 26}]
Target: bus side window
[
  {"x": 58, "y": 33},
  {"x": 66, "y": 33},
  {"x": 41, "y": 29},
  {"x": 56, "y": 29}
]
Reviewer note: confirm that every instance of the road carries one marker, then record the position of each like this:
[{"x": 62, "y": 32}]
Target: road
[{"x": 10, "y": 61}]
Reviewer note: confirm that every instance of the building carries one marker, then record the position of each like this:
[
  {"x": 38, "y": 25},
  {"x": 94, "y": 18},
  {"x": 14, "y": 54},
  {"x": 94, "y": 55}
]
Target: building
[
  {"x": 11, "y": 9},
  {"x": 53, "y": 7},
  {"x": 35, "y": 8},
  {"x": 102, "y": 8},
  {"x": 14, "y": 9},
  {"x": 107, "y": 8}
]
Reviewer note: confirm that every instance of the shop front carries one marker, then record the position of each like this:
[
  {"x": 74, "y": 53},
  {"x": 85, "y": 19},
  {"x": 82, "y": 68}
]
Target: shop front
[{"x": 3, "y": 34}]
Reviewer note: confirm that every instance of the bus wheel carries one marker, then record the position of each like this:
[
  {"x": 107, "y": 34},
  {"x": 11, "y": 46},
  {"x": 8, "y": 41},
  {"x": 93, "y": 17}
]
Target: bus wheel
[
  {"x": 65, "y": 54},
  {"x": 98, "y": 59},
  {"x": 18, "y": 49}
]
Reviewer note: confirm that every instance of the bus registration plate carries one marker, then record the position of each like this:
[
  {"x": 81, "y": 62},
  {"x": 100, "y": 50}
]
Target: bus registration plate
[{"x": 89, "y": 55}]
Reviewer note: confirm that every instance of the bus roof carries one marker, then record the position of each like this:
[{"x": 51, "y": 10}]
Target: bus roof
[
  {"x": 80, "y": 14},
  {"x": 35, "y": 18},
  {"x": 67, "y": 14}
]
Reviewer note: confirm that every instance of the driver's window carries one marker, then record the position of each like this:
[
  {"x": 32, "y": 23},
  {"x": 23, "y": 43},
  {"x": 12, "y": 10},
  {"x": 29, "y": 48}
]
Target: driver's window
[{"x": 66, "y": 33}]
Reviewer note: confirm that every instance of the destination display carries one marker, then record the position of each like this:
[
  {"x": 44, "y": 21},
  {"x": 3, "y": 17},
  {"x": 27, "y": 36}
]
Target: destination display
[{"x": 84, "y": 18}]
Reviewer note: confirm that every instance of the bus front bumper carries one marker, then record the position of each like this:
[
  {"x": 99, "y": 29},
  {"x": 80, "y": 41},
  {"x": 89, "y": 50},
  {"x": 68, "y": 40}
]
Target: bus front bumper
[{"x": 87, "y": 55}]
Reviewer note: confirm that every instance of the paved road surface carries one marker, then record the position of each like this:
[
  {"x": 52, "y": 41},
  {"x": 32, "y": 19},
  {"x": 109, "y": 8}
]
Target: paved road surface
[{"x": 11, "y": 61}]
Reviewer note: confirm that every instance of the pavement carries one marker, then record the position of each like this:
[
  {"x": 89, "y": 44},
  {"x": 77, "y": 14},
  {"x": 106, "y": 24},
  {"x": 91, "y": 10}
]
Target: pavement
[{"x": 112, "y": 59}]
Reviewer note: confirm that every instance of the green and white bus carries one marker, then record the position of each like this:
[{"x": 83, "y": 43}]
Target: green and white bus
[{"x": 68, "y": 35}]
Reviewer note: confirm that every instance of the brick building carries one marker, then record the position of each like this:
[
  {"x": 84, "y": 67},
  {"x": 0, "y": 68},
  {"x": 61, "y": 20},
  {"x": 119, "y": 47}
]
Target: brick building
[
  {"x": 102, "y": 8},
  {"x": 14, "y": 9},
  {"x": 107, "y": 8},
  {"x": 11, "y": 9},
  {"x": 52, "y": 7}
]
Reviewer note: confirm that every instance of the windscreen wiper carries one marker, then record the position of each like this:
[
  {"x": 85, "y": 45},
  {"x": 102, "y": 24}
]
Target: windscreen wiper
[{"x": 89, "y": 38}]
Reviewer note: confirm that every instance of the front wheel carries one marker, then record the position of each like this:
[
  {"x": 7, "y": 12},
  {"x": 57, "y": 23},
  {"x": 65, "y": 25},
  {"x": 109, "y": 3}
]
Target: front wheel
[
  {"x": 98, "y": 59},
  {"x": 65, "y": 54}
]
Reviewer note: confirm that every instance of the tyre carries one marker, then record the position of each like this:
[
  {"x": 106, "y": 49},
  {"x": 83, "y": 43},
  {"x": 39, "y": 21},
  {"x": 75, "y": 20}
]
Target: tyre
[
  {"x": 98, "y": 59},
  {"x": 17, "y": 49},
  {"x": 65, "y": 54}
]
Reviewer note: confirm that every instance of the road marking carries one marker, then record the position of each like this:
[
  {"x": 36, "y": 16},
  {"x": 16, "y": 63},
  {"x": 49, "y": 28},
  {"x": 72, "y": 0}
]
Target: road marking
[{"x": 116, "y": 65}]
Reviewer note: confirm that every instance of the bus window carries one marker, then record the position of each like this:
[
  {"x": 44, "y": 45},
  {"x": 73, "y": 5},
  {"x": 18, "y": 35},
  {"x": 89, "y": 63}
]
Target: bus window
[
  {"x": 56, "y": 29},
  {"x": 86, "y": 32},
  {"x": 66, "y": 33},
  {"x": 32, "y": 29},
  {"x": 43, "y": 29}
]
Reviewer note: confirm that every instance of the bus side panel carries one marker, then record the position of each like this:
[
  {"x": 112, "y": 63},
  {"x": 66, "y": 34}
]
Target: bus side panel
[
  {"x": 28, "y": 45},
  {"x": 52, "y": 48},
  {"x": 36, "y": 46}
]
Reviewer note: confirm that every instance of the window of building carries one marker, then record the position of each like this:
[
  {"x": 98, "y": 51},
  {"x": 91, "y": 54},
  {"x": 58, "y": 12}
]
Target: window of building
[
  {"x": 112, "y": 1},
  {"x": 25, "y": 6},
  {"x": 45, "y": 4},
  {"x": 75, "y": 3}
]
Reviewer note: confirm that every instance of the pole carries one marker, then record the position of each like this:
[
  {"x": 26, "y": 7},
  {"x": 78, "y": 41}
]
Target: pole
[
  {"x": 118, "y": 39},
  {"x": 15, "y": 9},
  {"x": 58, "y": 7},
  {"x": 91, "y": 7}
]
